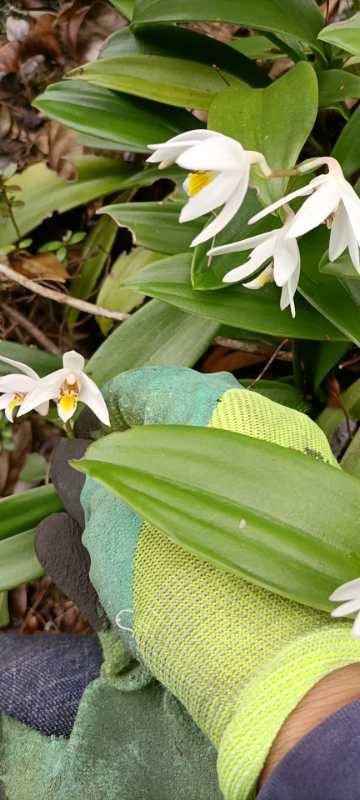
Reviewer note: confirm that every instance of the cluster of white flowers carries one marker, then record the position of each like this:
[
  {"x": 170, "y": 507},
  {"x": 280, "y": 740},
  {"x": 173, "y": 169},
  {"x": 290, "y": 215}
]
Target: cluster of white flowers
[
  {"x": 220, "y": 175},
  {"x": 26, "y": 391}
]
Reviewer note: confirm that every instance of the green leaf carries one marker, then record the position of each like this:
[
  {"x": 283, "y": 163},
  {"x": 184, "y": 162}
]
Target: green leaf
[
  {"x": 259, "y": 47},
  {"x": 331, "y": 418},
  {"x": 157, "y": 335},
  {"x": 110, "y": 116},
  {"x": 112, "y": 294},
  {"x": 281, "y": 392},
  {"x": 4, "y": 610},
  {"x": 170, "y": 40},
  {"x": 126, "y": 7},
  {"x": 335, "y": 85},
  {"x": 155, "y": 225},
  {"x": 351, "y": 460},
  {"x": 173, "y": 81},
  {"x": 326, "y": 356},
  {"x": 221, "y": 496},
  {"x": 34, "y": 469},
  {"x": 169, "y": 280},
  {"x": 26, "y": 509},
  {"x": 300, "y": 18},
  {"x": 41, "y": 362},
  {"x": 325, "y": 294},
  {"x": 347, "y": 149},
  {"x": 345, "y": 35},
  {"x": 271, "y": 121},
  {"x": 18, "y": 561},
  {"x": 341, "y": 268},
  {"x": 44, "y": 192},
  {"x": 95, "y": 254}
]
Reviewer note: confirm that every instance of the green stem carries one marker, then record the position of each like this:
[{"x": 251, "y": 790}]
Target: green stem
[
  {"x": 3, "y": 189},
  {"x": 69, "y": 430}
]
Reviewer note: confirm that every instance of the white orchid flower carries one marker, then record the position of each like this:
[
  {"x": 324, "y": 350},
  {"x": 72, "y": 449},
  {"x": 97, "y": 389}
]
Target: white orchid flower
[
  {"x": 275, "y": 246},
  {"x": 68, "y": 386},
  {"x": 334, "y": 201},
  {"x": 350, "y": 593},
  {"x": 16, "y": 386},
  {"x": 219, "y": 175}
]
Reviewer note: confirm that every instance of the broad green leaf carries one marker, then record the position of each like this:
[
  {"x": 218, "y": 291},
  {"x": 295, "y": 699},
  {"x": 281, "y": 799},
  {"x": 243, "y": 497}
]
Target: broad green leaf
[
  {"x": 346, "y": 149},
  {"x": 4, "y": 610},
  {"x": 26, "y": 509},
  {"x": 351, "y": 460},
  {"x": 43, "y": 191},
  {"x": 18, "y": 561},
  {"x": 95, "y": 253},
  {"x": 111, "y": 116},
  {"x": 157, "y": 335},
  {"x": 170, "y": 40},
  {"x": 335, "y": 85},
  {"x": 271, "y": 121},
  {"x": 256, "y": 47},
  {"x": 326, "y": 294},
  {"x": 345, "y": 35},
  {"x": 169, "y": 280},
  {"x": 173, "y": 81},
  {"x": 155, "y": 225},
  {"x": 126, "y": 7},
  {"x": 281, "y": 392},
  {"x": 221, "y": 496},
  {"x": 112, "y": 294},
  {"x": 341, "y": 268},
  {"x": 326, "y": 356},
  {"x": 41, "y": 362},
  {"x": 300, "y": 18},
  {"x": 149, "y": 175}
]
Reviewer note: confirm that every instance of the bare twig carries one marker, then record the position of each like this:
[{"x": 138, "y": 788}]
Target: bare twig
[
  {"x": 29, "y": 326},
  {"x": 251, "y": 347},
  {"x": 269, "y": 362},
  {"x": 60, "y": 297}
]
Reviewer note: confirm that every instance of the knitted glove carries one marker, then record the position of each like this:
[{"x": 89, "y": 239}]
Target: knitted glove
[
  {"x": 238, "y": 657},
  {"x": 77, "y": 723}
]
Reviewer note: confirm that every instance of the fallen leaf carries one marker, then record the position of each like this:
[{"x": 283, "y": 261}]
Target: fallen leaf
[
  {"x": 44, "y": 266},
  {"x": 10, "y": 57},
  {"x": 42, "y": 40}
]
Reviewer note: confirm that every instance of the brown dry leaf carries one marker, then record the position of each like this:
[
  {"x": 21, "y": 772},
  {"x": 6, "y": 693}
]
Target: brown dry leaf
[
  {"x": 44, "y": 266},
  {"x": 10, "y": 57},
  {"x": 83, "y": 27},
  {"x": 4, "y": 470},
  {"x": 221, "y": 358},
  {"x": 59, "y": 145},
  {"x": 42, "y": 40},
  {"x": 222, "y": 31}
]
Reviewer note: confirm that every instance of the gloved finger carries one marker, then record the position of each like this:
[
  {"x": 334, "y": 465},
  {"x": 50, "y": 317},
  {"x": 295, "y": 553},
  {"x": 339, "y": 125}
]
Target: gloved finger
[
  {"x": 60, "y": 550},
  {"x": 68, "y": 481}
]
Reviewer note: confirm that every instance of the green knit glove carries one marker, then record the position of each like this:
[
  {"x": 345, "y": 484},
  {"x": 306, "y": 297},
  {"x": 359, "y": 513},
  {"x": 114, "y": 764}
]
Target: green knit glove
[{"x": 237, "y": 656}]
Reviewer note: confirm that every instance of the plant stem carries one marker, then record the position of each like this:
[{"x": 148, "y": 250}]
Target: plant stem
[{"x": 7, "y": 201}]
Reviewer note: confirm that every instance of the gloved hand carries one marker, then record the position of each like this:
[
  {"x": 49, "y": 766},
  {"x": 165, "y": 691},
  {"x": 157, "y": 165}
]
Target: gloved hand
[
  {"x": 73, "y": 729},
  {"x": 238, "y": 657}
]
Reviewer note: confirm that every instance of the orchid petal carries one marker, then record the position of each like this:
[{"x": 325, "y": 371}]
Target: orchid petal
[
  {"x": 91, "y": 395},
  {"x": 42, "y": 393},
  {"x": 282, "y": 202},
  {"x": 214, "y": 154},
  {"x": 242, "y": 244},
  {"x": 288, "y": 292},
  {"x": 17, "y": 383},
  {"x": 20, "y": 366},
  {"x": 352, "y": 204},
  {"x": 347, "y": 591},
  {"x": 286, "y": 259},
  {"x": 5, "y": 399},
  {"x": 347, "y": 608},
  {"x": 259, "y": 255},
  {"x": 43, "y": 409},
  {"x": 315, "y": 209},
  {"x": 228, "y": 212},
  {"x": 215, "y": 194},
  {"x": 339, "y": 234},
  {"x": 185, "y": 138},
  {"x": 266, "y": 276},
  {"x": 355, "y": 632},
  {"x": 73, "y": 361}
]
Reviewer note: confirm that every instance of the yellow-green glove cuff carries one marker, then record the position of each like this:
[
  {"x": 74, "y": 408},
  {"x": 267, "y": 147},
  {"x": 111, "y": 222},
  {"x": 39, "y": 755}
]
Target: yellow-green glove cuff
[{"x": 269, "y": 698}]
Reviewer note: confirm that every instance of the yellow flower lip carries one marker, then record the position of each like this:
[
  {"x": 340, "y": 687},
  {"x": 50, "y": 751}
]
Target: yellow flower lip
[
  {"x": 196, "y": 181},
  {"x": 15, "y": 401}
]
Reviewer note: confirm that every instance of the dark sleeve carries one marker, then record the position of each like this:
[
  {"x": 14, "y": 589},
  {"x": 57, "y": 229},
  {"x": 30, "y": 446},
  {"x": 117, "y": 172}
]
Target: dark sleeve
[{"x": 324, "y": 765}]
